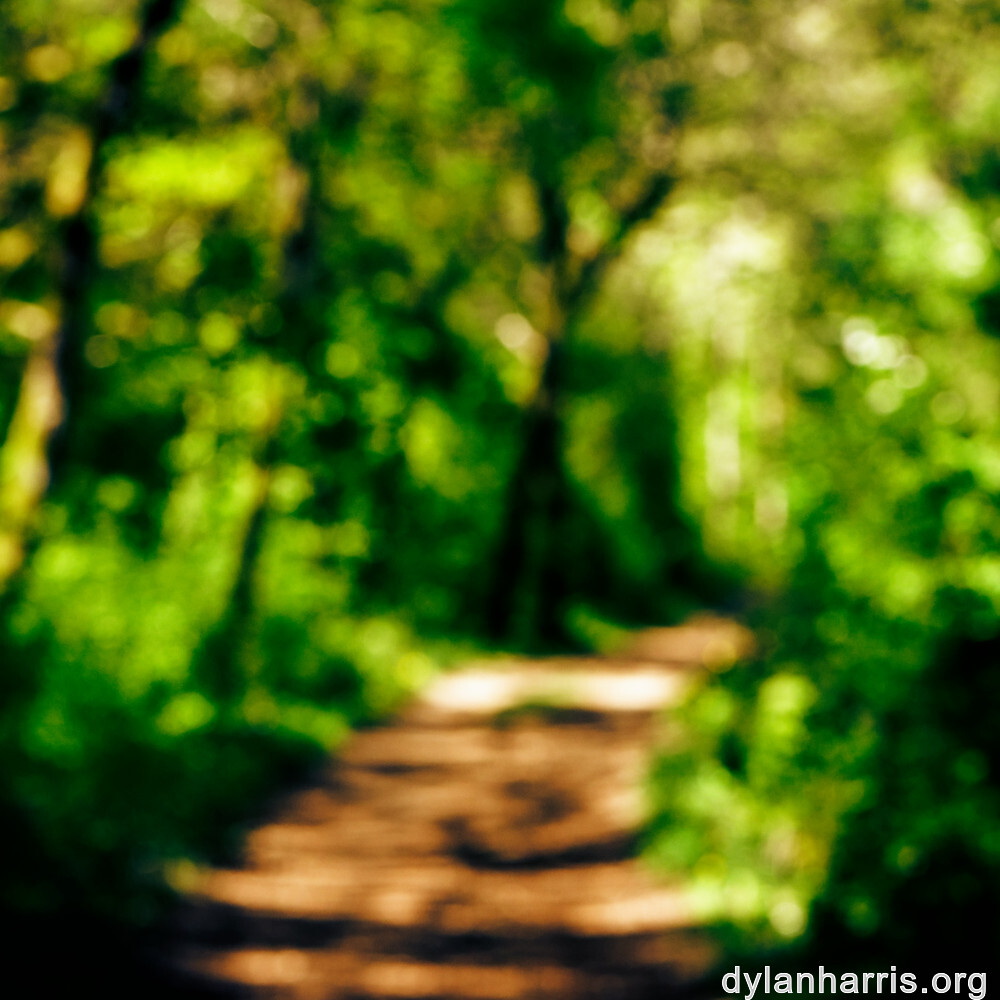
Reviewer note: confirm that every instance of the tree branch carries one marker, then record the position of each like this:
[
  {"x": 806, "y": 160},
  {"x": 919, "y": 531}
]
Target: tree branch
[{"x": 592, "y": 271}]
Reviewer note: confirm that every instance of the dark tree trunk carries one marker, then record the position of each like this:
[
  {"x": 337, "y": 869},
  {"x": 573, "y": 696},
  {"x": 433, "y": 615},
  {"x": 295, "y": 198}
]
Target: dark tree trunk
[
  {"x": 78, "y": 246},
  {"x": 531, "y": 573},
  {"x": 528, "y": 587}
]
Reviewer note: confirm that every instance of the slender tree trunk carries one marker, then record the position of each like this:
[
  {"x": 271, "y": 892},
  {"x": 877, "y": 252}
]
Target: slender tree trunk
[
  {"x": 223, "y": 665},
  {"x": 525, "y": 592},
  {"x": 530, "y": 582},
  {"x": 37, "y": 443},
  {"x": 24, "y": 470},
  {"x": 112, "y": 117}
]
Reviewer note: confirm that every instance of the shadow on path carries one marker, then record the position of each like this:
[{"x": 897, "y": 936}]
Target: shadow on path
[{"x": 480, "y": 845}]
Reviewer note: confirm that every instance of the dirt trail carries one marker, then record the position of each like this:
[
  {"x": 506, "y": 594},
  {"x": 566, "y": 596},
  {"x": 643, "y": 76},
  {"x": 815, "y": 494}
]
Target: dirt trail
[{"x": 478, "y": 846}]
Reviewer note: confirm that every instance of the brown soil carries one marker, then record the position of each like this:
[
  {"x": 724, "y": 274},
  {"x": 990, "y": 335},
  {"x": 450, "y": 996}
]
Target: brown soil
[{"x": 481, "y": 845}]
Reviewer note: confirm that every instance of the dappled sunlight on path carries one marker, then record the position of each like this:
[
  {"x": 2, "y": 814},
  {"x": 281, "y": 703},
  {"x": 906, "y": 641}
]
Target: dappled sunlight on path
[{"x": 480, "y": 845}]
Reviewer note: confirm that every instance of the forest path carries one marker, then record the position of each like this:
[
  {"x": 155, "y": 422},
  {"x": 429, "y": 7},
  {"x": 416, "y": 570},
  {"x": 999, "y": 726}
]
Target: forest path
[{"x": 479, "y": 845}]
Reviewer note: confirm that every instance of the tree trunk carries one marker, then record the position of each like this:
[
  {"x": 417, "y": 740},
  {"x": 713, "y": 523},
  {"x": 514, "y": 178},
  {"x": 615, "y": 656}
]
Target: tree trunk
[
  {"x": 526, "y": 595},
  {"x": 530, "y": 574},
  {"x": 37, "y": 444}
]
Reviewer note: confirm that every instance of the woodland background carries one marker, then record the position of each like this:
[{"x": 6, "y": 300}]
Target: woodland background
[{"x": 340, "y": 339}]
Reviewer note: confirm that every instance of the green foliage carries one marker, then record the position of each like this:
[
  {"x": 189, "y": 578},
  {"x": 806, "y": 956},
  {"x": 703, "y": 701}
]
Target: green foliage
[
  {"x": 332, "y": 333},
  {"x": 280, "y": 282},
  {"x": 840, "y": 791}
]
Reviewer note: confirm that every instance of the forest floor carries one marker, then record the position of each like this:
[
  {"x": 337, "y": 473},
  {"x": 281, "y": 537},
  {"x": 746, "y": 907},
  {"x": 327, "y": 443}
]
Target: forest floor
[{"x": 480, "y": 845}]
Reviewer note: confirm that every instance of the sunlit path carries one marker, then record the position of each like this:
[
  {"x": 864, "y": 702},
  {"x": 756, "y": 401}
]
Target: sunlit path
[{"x": 479, "y": 846}]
